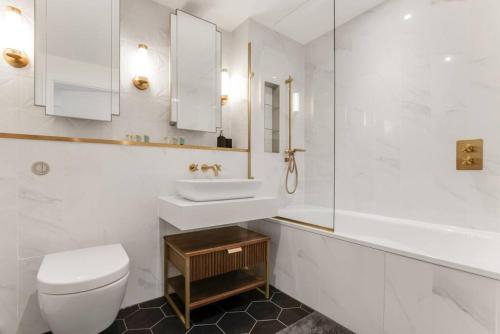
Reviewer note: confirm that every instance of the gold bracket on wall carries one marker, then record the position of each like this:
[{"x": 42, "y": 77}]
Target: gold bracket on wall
[{"x": 470, "y": 154}]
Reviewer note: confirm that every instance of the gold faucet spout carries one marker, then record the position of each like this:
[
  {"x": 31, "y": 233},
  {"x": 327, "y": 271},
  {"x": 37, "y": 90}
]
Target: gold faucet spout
[{"x": 216, "y": 168}]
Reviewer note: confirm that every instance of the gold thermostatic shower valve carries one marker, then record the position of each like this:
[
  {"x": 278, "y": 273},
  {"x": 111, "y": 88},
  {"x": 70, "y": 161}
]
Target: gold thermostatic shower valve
[{"x": 470, "y": 154}]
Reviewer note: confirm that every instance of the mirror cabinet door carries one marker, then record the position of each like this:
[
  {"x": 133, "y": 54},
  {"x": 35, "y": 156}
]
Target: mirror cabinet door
[
  {"x": 195, "y": 73},
  {"x": 77, "y": 58}
]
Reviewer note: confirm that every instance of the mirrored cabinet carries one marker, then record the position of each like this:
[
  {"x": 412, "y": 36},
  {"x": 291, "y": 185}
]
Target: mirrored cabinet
[
  {"x": 195, "y": 73},
  {"x": 77, "y": 58}
]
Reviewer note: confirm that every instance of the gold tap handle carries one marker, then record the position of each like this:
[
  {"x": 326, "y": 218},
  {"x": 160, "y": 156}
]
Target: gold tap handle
[
  {"x": 193, "y": 168},
  {"x": 298, "y": 150},
  {"x": 468, "y": 148},
  {"x": 468, "y": 161}
]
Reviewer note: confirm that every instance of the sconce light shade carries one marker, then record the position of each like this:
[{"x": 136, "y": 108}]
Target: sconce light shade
[
  {"x": 296, "y": 102},
  {"x": 13, "y": 34},
  {"x": 141, "y": 68},
  {"x": 225, "y": 86}
]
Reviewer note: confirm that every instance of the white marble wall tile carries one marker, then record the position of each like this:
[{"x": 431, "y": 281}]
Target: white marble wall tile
[
  {"x": 352, "y": 281},
  {"x": 8, "y": 238},
  {"x": 93, "y": 195},
  {"x": 274, "y": 58},
  {"x": 30, "y": 318},
  {"x": 424, "y": 298},
  {"x": 413, "y": 77}
]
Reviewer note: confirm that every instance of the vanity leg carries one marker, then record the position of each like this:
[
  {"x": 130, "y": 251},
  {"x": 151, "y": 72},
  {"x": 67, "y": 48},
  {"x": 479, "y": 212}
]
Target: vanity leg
[
  {"x": 267, "y": 268},
  {"x": 187, "y": 296},
  {"x": 165, "y": 270}
]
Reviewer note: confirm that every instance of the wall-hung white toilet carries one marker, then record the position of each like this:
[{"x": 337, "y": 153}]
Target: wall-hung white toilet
[{"x": 81, "y": 291}]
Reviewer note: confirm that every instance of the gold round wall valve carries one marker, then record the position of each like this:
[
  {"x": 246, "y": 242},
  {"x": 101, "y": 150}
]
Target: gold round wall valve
[{"x": 16, "y": 58}]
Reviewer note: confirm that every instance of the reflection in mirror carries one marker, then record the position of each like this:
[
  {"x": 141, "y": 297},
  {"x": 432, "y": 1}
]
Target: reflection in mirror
[
  {"x": 77, "y": 58},
  {"x": 195, "y": 73}
]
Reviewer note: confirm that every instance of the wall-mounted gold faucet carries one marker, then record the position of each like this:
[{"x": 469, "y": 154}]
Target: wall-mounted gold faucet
[
  {"x": 205, "y": 168},
  {"x": 216, "y": 168}
]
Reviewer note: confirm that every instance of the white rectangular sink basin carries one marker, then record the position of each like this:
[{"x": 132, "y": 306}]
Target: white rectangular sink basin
[{"x": 202, "y": 190}]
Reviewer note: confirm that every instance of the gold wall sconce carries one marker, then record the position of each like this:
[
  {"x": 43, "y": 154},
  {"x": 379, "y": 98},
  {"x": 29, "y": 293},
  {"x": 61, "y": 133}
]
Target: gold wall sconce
[
  {"x": 13, "y": 24},
  {"x": 225, "y": 86},
  {"x": 470, "y": 154},
  {"x": 141, "y": 68}
]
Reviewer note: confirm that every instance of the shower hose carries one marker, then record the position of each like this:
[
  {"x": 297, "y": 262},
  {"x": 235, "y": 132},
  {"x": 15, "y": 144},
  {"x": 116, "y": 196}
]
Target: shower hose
[{"x": 292, "y": 169}]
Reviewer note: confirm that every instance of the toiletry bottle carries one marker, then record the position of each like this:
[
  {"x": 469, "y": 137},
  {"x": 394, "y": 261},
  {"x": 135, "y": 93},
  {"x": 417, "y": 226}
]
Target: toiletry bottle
[{"x": 221, "y": 140}]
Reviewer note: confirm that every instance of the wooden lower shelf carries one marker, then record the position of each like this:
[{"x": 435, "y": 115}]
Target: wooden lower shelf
[{"x": 217, "y": 288}]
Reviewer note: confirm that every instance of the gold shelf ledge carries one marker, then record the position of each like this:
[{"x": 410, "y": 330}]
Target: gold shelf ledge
[
  {"x": 115, "y": 142},
  {"x": 298, "y": 222}
]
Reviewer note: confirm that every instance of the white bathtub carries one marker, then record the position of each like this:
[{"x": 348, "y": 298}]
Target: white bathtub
[{"x": 465, "y": 249}]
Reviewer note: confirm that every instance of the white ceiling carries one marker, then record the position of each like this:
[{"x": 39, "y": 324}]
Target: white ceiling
[{"x": 301, "y": 20}]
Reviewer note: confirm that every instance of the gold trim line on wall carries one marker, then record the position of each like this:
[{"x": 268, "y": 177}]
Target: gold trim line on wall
[{"x": 114, "y": 142}]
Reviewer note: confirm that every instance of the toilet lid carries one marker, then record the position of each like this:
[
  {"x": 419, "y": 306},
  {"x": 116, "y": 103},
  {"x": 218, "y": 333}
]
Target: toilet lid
[{"x": 82, "y": 270}]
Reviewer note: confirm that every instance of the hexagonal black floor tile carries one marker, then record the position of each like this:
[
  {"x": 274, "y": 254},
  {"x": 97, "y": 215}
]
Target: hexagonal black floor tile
[
  {"x": 267, "y": 327},
  {"x": 171, "y": 325},
  {"x": 236, "y": 323},
  {"x": 255, "y": 295},
  {"x": 273, "y": 289},
  {"x": 264, "y": 310},
  {"x": 285, "y": 301},
  {"x": 118, "y": 327},
  {"x": 158, "y": 302},
  {"x": 127, "y": 311},
  {"x": 292, "y": 315},
  {"x": 235, "y": 304},
  {"x": 144, "y": 318},
  {"x": 138, "y": 331},
  {"x": 207, "y": 315},
  {"x": 205, "y": 329}
]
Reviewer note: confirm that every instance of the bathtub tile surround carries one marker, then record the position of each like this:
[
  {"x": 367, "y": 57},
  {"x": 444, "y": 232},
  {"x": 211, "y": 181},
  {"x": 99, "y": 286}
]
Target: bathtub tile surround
[
  {"x": 424, "y": 298},
  {"x": 247, "y": 313},
  {"x": 306, "y": 265},
  {"x": 377, "y": 290}
]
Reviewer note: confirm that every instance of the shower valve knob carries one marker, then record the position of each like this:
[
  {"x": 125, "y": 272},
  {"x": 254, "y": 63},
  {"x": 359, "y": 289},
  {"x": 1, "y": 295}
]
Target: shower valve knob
[
  {"x": 468, "y": 148},
  {"x": 468, "y": 161}
]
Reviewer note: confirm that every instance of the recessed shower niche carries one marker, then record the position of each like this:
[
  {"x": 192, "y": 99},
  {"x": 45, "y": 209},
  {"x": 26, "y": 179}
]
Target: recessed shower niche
[{"x": 271, "y": 117}]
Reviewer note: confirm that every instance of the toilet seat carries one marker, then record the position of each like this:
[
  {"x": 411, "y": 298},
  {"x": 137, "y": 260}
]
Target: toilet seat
[{"x": 82, "y": 270}]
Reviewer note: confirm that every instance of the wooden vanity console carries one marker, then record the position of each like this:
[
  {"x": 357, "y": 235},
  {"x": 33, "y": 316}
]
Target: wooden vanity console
[{"x": 215, "y": 264}]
